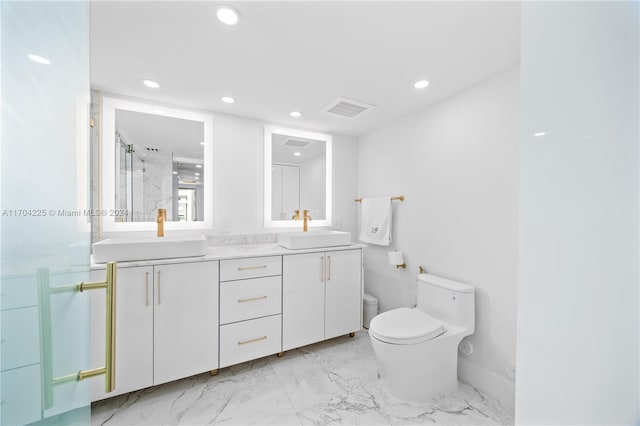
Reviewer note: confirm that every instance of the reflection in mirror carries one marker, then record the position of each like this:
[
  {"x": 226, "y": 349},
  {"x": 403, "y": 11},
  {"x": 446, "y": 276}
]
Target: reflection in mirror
[
  {"x": 297, "y": 176},
  {"x": 160, "y": 165},
  {"x": 155, "y": 158}
]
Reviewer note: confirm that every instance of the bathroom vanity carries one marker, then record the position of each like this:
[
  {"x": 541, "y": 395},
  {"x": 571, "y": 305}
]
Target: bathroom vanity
[{"x": 180, "y": 317}]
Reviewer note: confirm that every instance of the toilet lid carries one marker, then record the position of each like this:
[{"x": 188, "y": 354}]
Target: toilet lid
[{"x": 405, "y": 326}]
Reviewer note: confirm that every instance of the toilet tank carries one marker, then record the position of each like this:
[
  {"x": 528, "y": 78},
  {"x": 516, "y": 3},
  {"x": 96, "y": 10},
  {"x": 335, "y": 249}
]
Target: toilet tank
[{"x": 448, "y": 300}]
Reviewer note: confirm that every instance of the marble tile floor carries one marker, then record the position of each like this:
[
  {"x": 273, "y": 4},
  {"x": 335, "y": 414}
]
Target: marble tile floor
[{"x": 338, "y": 381}]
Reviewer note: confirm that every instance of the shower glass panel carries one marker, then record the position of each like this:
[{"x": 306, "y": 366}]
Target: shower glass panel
[
  {"x": 45, "y": 231},
  {"x": 130, "y": 183}
]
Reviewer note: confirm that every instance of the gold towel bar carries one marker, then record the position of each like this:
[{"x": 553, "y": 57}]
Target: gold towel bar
[{"x": 399, "y": 198}]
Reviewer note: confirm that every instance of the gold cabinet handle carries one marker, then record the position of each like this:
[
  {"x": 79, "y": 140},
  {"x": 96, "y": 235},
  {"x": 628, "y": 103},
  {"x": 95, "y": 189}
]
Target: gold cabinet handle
[
  {"x": 329, "y": 267},
  {"x": 257, "y": 339},
  {"x": 252, "y": 299},
  {"x": 247, "y": 268},
  {"x": 159, "y": 301},
  {"x": 109, "y": 370},
  {"x": 322, "y": 268},
  {"x": 46, "y": 340},
  {"x": 146, "y": 288}
]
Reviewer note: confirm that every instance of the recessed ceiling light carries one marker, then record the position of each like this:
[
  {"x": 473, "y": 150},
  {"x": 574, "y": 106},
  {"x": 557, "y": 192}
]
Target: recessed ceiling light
[
  {"x": 228, "y": 15},
  {"x": 197, "y": 177},
  {"x": 151, "y": 83},
  {"x": 228, "y": 99},
  {"x": 197, "y": 174},
  {"x": 297, "y": 154},
  {"x": 39, "y": 59},
  {"x": 539, "y": 134},
  {"x": 199, "y": 166},
  {"x": 175, "y": 173},
  {"x": 295, "y": 114},
  {"x": 201, "y": 143},
  {"x": 421, "y": 84}
]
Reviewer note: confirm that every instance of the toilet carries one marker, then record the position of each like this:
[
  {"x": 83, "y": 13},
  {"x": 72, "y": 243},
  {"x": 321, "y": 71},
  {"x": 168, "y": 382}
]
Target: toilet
[{"x": 419, "y": 346}]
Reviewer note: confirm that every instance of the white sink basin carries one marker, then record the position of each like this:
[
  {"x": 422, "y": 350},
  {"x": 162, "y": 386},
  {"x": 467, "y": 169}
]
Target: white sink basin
[
  {"x": 147, "y": 248},
  {"x": 313, "y": 239}
]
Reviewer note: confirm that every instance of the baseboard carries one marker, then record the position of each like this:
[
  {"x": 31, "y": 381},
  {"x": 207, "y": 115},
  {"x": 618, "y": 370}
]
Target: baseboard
[{"x": 492, "y": 383}]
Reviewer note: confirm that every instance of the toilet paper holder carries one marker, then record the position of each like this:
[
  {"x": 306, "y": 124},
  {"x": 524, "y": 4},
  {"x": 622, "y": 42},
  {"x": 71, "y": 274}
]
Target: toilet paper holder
[{"x": 397, "y": 259}]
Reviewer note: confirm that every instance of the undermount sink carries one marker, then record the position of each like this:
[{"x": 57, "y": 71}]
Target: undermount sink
[
  {"x": 313, "y": 239},
  {"x": 148, "y": 248}
]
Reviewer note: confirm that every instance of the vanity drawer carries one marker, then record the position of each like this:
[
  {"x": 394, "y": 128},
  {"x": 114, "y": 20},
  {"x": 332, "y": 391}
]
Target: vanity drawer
[
  {"x": 20, "y": 337},
  {"x": 247, "y": 299},
  {"x": 18, "y": 291},
  {"x": 20, "y": 405},
  {"x": 246, "y": 340},
  {"x": 251, "y": 267}
]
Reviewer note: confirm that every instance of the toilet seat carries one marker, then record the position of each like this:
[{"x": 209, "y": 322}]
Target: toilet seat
[{"x": 405, "y": 326}]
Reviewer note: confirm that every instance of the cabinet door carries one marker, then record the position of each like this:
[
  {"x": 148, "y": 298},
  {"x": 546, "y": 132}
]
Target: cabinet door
[
  {"x": 302, "y": 299},
  {"x": 186, "y": 320},
  {"x": 343, "y": 293},
  {"x": 134, "y": 331}
]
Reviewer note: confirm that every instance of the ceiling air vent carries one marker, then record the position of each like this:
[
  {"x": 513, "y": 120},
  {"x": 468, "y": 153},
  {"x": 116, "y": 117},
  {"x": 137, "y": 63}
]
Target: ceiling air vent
[
  {"x": 296, "y": 143},
  {"x": 349, "y": 108}
]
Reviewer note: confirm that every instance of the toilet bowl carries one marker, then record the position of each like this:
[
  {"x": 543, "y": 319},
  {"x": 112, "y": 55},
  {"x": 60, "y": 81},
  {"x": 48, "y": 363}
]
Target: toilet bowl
[{"x": 418, "y": 347}]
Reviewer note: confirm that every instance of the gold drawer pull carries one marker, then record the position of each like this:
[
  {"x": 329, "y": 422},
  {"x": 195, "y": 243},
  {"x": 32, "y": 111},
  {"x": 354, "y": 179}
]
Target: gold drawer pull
[
  {"x": 252, "y": 299},
  {"x": 246, "y": 268},
  {"x": 146, "y": 287},
  {"x": 257, "y": 339}
]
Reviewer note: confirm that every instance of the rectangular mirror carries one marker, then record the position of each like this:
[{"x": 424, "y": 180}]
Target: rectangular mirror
[
  {"x": 155, "y": 157},
  {"x": 297, "y": 177}
]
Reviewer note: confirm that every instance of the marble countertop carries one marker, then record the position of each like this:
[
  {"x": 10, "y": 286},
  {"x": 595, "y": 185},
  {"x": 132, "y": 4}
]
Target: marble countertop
[{"x": 222, "y": 252}]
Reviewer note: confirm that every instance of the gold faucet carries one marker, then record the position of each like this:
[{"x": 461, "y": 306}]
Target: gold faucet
[
  {"x": 162, "y": 217},
  {"x": 306, "y": 218},
  {"x": 296, "y": 215}
]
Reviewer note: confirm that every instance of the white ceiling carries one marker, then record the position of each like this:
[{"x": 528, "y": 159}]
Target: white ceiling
[
  {"x": 300, "y": 56},
  {"x": 177, "y": 136},
  {"x": 284, "y": 154}
]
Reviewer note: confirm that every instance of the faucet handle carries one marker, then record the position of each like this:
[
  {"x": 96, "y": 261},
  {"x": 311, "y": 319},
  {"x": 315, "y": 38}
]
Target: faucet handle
[{"x": 296, "y": 215}]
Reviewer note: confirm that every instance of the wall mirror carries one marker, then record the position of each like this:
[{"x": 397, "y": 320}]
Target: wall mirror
[
  {"x": 297, "y": 177},
  {"x": 155, "y": 157}
]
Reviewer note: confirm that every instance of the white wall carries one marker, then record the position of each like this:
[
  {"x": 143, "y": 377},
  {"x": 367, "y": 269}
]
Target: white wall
[
  {"x": 312, "y": 186},
  {"x": 578, "y": 321},
  {"x": 456, "y": 164}
]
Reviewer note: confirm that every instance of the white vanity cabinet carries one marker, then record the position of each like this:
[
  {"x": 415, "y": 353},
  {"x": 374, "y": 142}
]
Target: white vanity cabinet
[
  {"x": 134, "y": 330},
  {"x": 343, "y": 293},
  {"x": 166, "y": 324},
  {"x": 175, "y": 320},
  {"x": 322, "y": 296},
  {"x": 250, "y": 308},
  {"x": 185, "y": 332}
]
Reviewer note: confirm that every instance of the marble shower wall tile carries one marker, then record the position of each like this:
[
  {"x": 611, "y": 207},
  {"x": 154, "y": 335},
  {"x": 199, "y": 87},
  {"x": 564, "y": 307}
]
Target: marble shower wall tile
[{"x": 157, "y": 182}]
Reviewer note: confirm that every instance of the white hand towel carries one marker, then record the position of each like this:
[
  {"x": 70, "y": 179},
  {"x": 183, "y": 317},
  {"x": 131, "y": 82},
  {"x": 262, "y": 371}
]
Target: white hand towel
[{"x": 375, "y": 221}]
